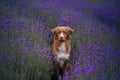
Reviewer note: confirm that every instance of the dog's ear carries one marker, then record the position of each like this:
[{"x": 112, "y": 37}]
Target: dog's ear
[
  {"x": 54, "y": 32},
  {"x": 69, "y": 30}
]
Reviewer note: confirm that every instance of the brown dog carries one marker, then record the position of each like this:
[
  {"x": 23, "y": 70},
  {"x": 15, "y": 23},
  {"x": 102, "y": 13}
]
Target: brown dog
[{"x": 61, "y": 50}]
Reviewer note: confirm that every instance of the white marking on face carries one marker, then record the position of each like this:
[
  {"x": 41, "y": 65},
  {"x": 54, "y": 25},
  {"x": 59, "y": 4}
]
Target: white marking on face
[{"x": 61, "y": 34}]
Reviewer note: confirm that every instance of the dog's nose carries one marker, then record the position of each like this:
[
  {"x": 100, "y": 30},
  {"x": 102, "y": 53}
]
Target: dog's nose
[{"x": 61, "y": 38}]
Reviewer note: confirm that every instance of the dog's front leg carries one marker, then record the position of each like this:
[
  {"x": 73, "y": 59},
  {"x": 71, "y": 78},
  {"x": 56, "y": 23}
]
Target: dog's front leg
[{"x": 66, "y": 67}]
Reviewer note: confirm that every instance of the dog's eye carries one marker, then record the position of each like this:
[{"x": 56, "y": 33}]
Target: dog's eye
[
  {"x": 64, "y": 32},
  {"x": 59, "y": 32}
]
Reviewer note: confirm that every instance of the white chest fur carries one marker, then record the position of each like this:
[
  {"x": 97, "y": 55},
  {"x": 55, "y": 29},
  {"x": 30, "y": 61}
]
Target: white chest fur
[{"x": 62, "y": 54}]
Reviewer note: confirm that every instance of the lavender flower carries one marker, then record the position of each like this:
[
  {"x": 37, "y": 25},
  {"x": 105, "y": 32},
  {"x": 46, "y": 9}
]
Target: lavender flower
[{"x": 77, "y": 71}]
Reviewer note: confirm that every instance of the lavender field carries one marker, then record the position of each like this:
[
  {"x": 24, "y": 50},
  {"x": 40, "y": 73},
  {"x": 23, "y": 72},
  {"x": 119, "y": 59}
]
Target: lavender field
[{"x": 26, "y": 39}]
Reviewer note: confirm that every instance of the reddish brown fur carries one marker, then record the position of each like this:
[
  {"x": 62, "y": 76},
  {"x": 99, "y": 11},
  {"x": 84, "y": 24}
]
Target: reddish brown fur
[
  {"x": 57, "y": 43},
  {"x": 67, "y": 33}
]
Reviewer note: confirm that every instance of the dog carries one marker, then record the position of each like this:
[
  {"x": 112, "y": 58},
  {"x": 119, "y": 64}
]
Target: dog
[{"x": 61, "y": 50}]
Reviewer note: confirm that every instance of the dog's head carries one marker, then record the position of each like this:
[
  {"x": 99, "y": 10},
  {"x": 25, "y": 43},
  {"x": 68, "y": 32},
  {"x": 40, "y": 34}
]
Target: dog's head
[{"x": 62, "y": 33}]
